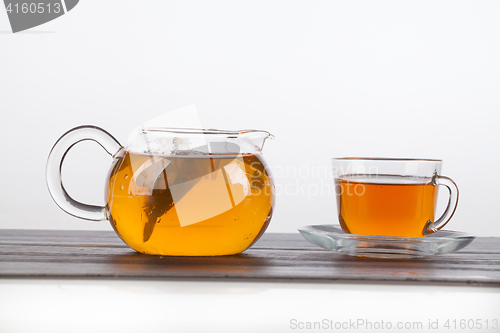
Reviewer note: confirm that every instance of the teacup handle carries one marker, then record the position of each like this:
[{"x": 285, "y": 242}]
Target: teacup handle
[
  {"x": 432, "y": 227},
  {"x": 54, "y": 167}
]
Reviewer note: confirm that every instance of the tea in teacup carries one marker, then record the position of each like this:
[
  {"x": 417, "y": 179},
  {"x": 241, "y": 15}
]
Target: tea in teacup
[{"x": 385, "y": 205}]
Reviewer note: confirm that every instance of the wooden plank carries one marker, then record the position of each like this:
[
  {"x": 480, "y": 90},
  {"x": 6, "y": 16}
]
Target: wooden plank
[
  {"x": 94, "y": 254},
  {"x": 109, "y": 238}
]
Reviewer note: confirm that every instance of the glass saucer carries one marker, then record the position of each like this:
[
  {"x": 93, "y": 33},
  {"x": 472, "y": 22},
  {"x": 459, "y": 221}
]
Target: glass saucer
[{"x": 331, "y": 237}]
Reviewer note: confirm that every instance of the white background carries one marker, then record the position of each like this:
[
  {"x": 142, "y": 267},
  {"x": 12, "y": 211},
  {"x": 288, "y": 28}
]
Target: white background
[
  {"x": 209, "y": 306},
  {"x": 327, "y": 78}
]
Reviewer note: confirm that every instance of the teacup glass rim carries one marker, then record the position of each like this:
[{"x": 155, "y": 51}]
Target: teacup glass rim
[{"x": 385, "y": 159}]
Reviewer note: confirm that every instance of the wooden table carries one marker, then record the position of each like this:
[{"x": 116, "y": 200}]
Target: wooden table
[{"x": 276, "y": 257}]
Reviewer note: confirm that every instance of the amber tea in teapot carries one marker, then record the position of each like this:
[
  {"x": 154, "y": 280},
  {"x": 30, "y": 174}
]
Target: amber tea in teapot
[{"x": 197, "y": 205}]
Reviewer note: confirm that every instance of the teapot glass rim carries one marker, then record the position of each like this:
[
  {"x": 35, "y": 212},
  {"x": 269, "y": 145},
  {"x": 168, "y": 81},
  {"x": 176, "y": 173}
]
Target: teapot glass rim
[{"x": 203, "y": 131}]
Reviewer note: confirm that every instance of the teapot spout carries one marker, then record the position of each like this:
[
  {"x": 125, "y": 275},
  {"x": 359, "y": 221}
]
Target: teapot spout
[{"x": 256, "y": 137}]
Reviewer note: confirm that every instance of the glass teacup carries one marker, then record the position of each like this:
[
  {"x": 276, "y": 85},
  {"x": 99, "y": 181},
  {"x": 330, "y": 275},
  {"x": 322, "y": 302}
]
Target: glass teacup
[{"x": 391, "y": 197}]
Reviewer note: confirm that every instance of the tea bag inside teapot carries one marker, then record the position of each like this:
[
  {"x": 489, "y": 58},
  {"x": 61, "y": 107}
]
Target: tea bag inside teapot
[
  {"x": 151, "y": 174},
  {"x": 173, "y": 171}
]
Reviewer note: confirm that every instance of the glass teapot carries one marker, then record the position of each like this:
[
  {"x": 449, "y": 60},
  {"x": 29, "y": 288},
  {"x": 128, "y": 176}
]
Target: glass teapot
[{"x": 184, "y": 192}]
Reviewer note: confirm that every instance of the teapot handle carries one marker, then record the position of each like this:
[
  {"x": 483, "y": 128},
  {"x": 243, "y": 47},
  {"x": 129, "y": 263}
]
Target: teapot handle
[{"x": 54, "y": 168}]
